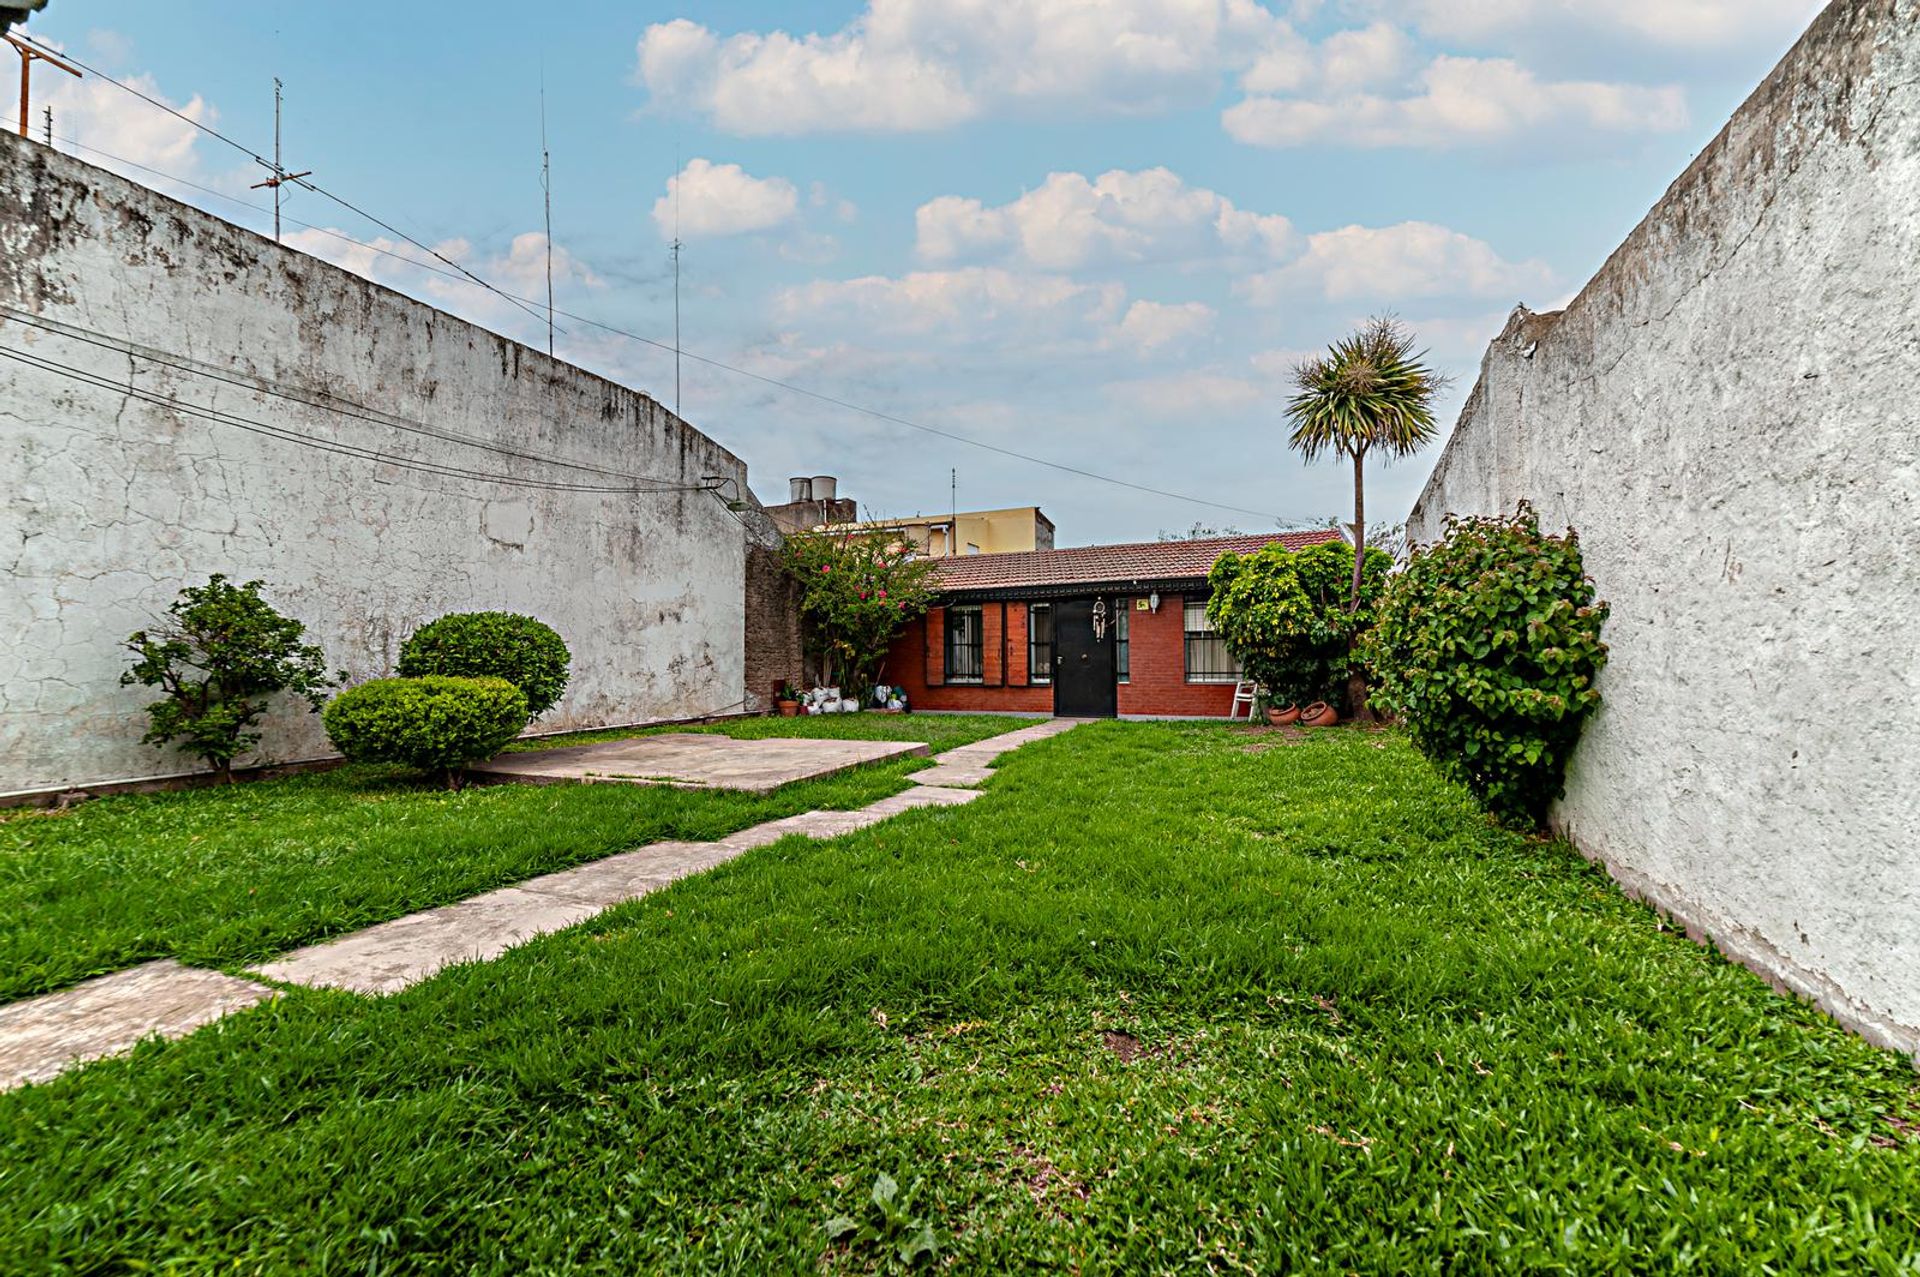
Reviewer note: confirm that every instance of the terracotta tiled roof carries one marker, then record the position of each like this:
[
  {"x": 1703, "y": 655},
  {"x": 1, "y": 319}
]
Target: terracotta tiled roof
[{"x": 1109, "y": 564}]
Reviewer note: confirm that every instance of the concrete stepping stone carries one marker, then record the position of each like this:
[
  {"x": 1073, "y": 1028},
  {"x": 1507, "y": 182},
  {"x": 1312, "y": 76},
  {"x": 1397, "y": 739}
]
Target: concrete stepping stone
[
  {"x": 924, "y": 796},
  {"x": 111, "y": 1014},
  {"x": 393, "y": 955},
  {"x": 952, "y": 776}
]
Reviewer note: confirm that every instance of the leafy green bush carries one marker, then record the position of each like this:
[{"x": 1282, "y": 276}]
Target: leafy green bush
[
  {"x": 220, "y": 654},
  {"x": 435, "y": 723},
  {"x": 524, "y": 651},
  {"x": 1284, "y": 615},
  {"x": 857, "y": 591},
  {"x": 1488, "y": 646}
]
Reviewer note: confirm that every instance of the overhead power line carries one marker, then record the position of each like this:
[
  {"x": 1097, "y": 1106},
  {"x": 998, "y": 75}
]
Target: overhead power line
[
  {"x": 324, "y": 402},
  {"x": 338, "y": 447},
  {"x": 532, "y": 307}
]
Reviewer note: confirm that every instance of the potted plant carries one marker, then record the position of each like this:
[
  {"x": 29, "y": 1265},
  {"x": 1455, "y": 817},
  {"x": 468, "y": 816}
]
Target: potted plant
[
  {"x": 1319, "y": 714},
  {"x": 788, "y": 700},
  {"x": 1283, "y": 715}
]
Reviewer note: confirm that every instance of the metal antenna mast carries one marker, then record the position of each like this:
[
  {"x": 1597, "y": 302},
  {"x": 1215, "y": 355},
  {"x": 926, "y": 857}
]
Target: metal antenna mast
[
  {"x": 280, "y": 175},
  {"x": 676, "y": 284},
  {"x": 546, "y": 189}
]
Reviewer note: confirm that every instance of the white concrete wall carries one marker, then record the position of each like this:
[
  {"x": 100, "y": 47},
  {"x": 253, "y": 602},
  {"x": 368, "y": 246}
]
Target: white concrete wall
[
  {"x": 1728, "y": 415},
  {"x": 112, "y": 503}
]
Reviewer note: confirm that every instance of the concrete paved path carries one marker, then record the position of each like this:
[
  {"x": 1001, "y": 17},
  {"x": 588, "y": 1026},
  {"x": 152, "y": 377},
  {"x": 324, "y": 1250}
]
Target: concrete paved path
[
  {"x": 697, "y": 760},
  {"x": 41, "y": 1037}
]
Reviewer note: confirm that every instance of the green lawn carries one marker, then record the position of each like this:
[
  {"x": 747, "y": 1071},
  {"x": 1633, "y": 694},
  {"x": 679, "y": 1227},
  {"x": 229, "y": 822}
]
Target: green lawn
[
  {"x": 231, "y": 875},
  {"x": 1169, "y": 998}
]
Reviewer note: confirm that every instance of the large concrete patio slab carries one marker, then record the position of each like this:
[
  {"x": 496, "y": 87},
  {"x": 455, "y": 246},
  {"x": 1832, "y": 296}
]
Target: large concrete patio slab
[{"x": 696, "y": 761}]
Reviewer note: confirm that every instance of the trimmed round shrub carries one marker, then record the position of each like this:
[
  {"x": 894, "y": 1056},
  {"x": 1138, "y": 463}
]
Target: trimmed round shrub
[
  {"x": 525, "y": 652},
  {"x": 1487, "y": 647},
  {"x": 434, "y": 723}
]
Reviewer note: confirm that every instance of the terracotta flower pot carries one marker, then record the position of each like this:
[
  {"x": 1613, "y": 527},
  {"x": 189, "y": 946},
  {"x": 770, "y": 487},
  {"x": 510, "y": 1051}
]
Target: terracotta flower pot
[
  {"x": 1319, "y": 714},
  {"x": 1283, "y": 717},
  {"x": 788, "y": 709}
]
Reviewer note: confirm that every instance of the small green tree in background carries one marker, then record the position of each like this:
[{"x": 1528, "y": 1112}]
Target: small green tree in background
[
  {"x": 857, "y": 592},
  {"x": 1371, "y": 392},
  {"x": 1488, "y": 647},
  {"x": 1285, "y": 615},
  {"x": 218, "y": 658},
  {"x": 526, "y": 652}
]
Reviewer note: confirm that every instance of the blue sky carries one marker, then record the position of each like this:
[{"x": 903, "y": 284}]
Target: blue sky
[{"x": 1099, "y": 233}]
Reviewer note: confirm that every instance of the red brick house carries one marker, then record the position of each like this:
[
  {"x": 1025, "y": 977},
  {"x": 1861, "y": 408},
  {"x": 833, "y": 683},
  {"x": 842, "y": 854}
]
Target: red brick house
[{"x": 1095, "y": 631}]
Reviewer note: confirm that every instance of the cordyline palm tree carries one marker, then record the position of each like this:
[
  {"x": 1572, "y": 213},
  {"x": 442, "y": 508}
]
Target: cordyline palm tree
[{"x": 1370, "y": 392}]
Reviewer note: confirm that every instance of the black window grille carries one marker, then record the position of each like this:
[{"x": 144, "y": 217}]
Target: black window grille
[
  {"x": 966, "y": 646},
  {"x": 1121, "y": 653},
  {"x": 1208, "y": 660},
  {"x": 1040, "y": 643}
]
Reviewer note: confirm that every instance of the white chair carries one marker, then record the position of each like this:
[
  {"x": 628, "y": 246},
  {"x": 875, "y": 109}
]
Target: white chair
[{"x": 1245, "y": 692}]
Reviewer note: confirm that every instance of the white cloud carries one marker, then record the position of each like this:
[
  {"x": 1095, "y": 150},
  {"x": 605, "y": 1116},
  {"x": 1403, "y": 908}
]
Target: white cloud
[
  {"x": 1147, "y": 326},
  {"x": 1189, "y": 396},
  {"x": 707, "y": 199},
  {"x": 1391, "y": 263},
  {"x": 1465, "y": 101},
  {"x": 906, "y": 65},
  {"x": 1695, "y": 24},
  {"x": 975, "y": 303},
  {"x": 106, "y": 122},
  {"x": 1070, "y": 222}
]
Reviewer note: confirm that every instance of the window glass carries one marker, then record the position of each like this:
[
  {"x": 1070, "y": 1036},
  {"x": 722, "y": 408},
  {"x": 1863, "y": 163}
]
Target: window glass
[
  {"x": 1040, "y": 643},
  {"x": 1122, "y": 654},
  {"x": 966, "y": 645},
  {"x": 1208, "y": 660}
]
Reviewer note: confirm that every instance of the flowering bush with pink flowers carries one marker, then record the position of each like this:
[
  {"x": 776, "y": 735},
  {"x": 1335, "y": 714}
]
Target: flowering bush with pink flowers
[{"x": 858, "y": 590}]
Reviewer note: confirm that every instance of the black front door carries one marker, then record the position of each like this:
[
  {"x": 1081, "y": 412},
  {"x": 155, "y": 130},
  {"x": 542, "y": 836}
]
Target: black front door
[{"x": 1083, "y": 678}]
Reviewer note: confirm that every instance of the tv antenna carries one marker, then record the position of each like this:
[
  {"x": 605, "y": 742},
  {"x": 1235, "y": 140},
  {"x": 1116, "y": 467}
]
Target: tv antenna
[
  {"x": 28, "y": 56},
  {"x": 280, "y": 175},
  {"x": 676, "y": 282},
  {"x": 546, "y": 190}
]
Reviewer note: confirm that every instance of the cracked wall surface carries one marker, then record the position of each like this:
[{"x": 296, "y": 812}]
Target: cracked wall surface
[
  {"x": 1726, "y": 414},
  {"x": 118, "y": 493}
]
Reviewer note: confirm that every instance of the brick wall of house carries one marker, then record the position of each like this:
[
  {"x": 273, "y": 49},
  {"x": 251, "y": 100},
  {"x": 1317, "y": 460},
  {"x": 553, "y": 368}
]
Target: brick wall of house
[
  {"x": 910, "y": 660},
  {"x": 1158, "y": 684},
  {"x": 1157, "y": 652},
  {"x": 773, "y": 646}
]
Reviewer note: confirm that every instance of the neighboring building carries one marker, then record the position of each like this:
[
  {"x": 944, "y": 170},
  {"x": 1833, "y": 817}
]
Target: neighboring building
[
  {"x": 1726, "y": 415},
  {"x": 812, "y": 503},
  {"x": 1009, "y": 531},
  {"x": 1095, "y": 631}
]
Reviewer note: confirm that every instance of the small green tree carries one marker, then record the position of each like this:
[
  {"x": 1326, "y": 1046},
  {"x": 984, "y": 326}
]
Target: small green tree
[
  {"x": 218, "y": 658},
  {"x": 858, "y": 591},
  {"x": 1488, "y": 647},
  {"x": 1284, "y": 615}
]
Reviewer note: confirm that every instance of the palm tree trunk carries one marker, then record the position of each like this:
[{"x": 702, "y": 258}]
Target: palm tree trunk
[
  {"x": 1356, "y": 679},
  {"x": 1359, "y": 524}
]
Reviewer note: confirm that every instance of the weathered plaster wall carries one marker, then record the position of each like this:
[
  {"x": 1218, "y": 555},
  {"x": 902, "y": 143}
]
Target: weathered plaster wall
[
  {"x": 112, "y": 503},
  {"x": 1726, "y": 414}
]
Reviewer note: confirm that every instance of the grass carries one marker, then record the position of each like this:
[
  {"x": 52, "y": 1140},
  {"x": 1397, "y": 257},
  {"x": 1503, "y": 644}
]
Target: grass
[
  {"x": 1166, "y": 999},
  {"x": 231, "y": 875}
]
